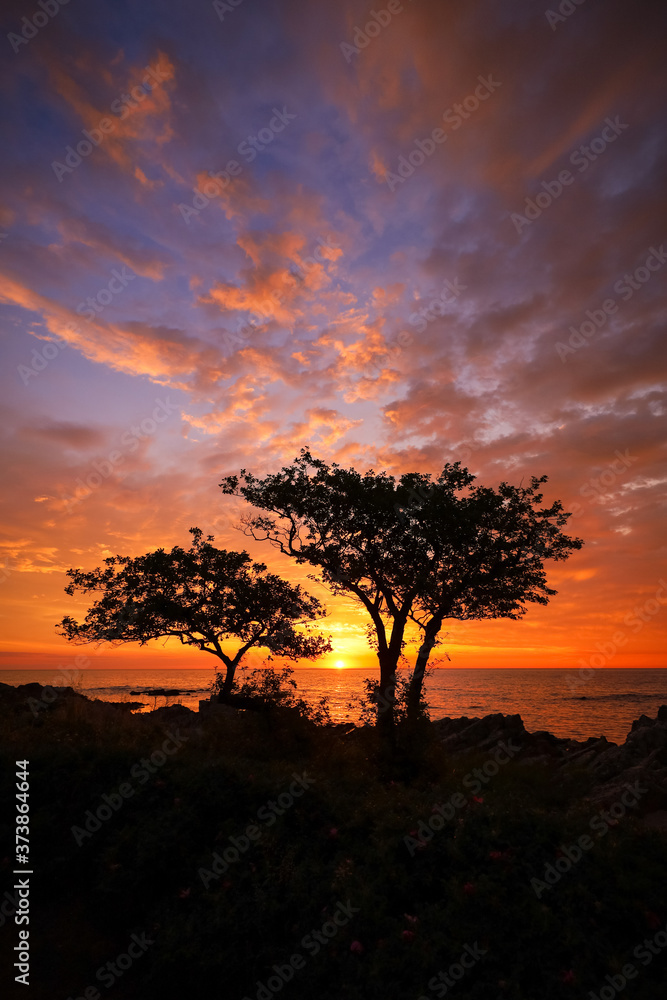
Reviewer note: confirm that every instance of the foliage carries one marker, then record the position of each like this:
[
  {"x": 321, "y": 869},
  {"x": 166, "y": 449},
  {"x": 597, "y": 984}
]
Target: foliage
[
  {"x": 374, "y": 701},
  {"x": 269, "y": 688}
]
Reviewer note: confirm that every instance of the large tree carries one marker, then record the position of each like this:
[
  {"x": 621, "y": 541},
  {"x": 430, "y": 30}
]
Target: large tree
[
  {"x": 413, "y": 552},
  {"x": 205, "y": 597}
]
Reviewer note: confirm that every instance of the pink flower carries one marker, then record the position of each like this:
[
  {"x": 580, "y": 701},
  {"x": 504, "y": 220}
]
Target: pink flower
[
  {"x": 501, "y": 855},
  {"x": 357, "y": 947},
  {"x": 469, "y": 888},
  {"x": 478, "y": 799},
  {"x": 567, "y": 976},
  {"x": 184, "y": 893},
  {"x": 333, "y": 832},
  {"x": 410, "y": 919},
  {"x": 408, "y": 935}
]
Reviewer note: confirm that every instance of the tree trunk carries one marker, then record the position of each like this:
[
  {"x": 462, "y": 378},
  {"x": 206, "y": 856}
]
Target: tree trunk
[
  {"x": 226, "y": 689},
  {"x": 417, "y": 682},
  {"x": 386, "y": 699}
]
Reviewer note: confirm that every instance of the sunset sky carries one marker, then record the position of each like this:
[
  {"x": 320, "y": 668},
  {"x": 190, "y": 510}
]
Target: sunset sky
[{"x": 442, "y": 238}]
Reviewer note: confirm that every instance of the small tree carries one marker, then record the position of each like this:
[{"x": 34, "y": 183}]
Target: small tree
[
  {"x": 416, "y": 552},
  {"x": 203, "y": 596}
]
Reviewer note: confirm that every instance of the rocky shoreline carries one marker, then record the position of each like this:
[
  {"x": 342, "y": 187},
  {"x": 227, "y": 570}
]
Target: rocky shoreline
[{"x": 642, "y": 757}]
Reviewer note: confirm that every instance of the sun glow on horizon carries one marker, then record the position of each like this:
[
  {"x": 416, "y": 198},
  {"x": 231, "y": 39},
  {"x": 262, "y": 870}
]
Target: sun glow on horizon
[{"x": 339, "y": 664}]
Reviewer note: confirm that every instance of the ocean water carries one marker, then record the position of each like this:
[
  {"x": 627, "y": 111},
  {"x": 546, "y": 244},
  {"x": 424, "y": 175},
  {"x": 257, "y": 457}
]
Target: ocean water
[{"x": 557, "y": 700}]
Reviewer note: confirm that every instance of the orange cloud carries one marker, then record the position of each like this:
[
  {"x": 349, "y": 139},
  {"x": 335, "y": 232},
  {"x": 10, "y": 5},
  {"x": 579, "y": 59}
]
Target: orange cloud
[
  {"x": 134, "y": 348},
  {"x": 141, "y": 110}
]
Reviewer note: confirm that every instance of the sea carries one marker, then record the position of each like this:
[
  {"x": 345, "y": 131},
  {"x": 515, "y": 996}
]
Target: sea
[{"x": 567, "y": 703}]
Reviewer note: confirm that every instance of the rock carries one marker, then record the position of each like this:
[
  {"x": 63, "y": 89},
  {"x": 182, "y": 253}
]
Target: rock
[
  {"x": 542, "y": 759},
  {"x": 17, "y": 697},
  {"x": 642, "y": 758},
  {"x": 649, "y": 781},
  {"x": 589, "y": 751},
  {"x": 460, "y": 735}
]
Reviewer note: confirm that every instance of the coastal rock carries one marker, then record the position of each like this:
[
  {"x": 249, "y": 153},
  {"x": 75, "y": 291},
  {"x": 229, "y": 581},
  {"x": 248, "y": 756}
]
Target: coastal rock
[
  {"x": 648, "y": 777},
  {"x": 463, "y": 735},
  {"x": 460, "y": 735},
  {"x": 587, "y": 752},
  {"x": 23, "y": 696},
  {"x": 641, "y": 758},
  {"x": 647, "y": 738}
]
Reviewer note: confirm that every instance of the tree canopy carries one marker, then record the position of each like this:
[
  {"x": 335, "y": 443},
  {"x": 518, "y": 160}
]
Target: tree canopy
[
  {"x": 205, "y": 597},
  {"x": 414, "y": 551}
]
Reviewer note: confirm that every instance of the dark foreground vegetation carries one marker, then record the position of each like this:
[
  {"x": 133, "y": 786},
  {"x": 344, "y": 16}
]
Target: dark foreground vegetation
[{"x": 256, "y": 854}]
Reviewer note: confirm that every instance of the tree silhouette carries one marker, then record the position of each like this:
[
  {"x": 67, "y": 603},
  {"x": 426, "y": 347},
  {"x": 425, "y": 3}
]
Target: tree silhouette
[
  {"x": 415, "y": 550},
  {"x": 203, "y": 596}
]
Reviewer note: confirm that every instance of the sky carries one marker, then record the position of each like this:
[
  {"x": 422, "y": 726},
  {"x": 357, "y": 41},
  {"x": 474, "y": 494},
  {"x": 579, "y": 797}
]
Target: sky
[{"x": 401, "y": 235}]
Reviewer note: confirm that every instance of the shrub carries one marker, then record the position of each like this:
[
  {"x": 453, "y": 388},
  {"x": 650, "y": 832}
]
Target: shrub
[
  {"x": 374, "y": 701},
  {"x": 267, "y": 688}
]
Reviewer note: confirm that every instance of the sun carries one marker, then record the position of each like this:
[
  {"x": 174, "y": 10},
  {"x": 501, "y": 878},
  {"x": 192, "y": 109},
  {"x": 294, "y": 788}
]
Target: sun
[{"x": 339, "y": 664}]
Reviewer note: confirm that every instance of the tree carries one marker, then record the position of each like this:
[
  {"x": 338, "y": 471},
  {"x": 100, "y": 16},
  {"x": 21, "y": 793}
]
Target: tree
[
  {"x": 414, "y": 552},
  {"x": 203, "y": 596}
]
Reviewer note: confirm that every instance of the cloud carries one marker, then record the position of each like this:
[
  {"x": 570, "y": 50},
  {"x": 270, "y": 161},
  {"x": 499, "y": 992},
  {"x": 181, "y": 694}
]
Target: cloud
[
  {"x": 139, "y": 114},
  {"x": 286, "y": 312},
  {"x": 67, "y": 435}
]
